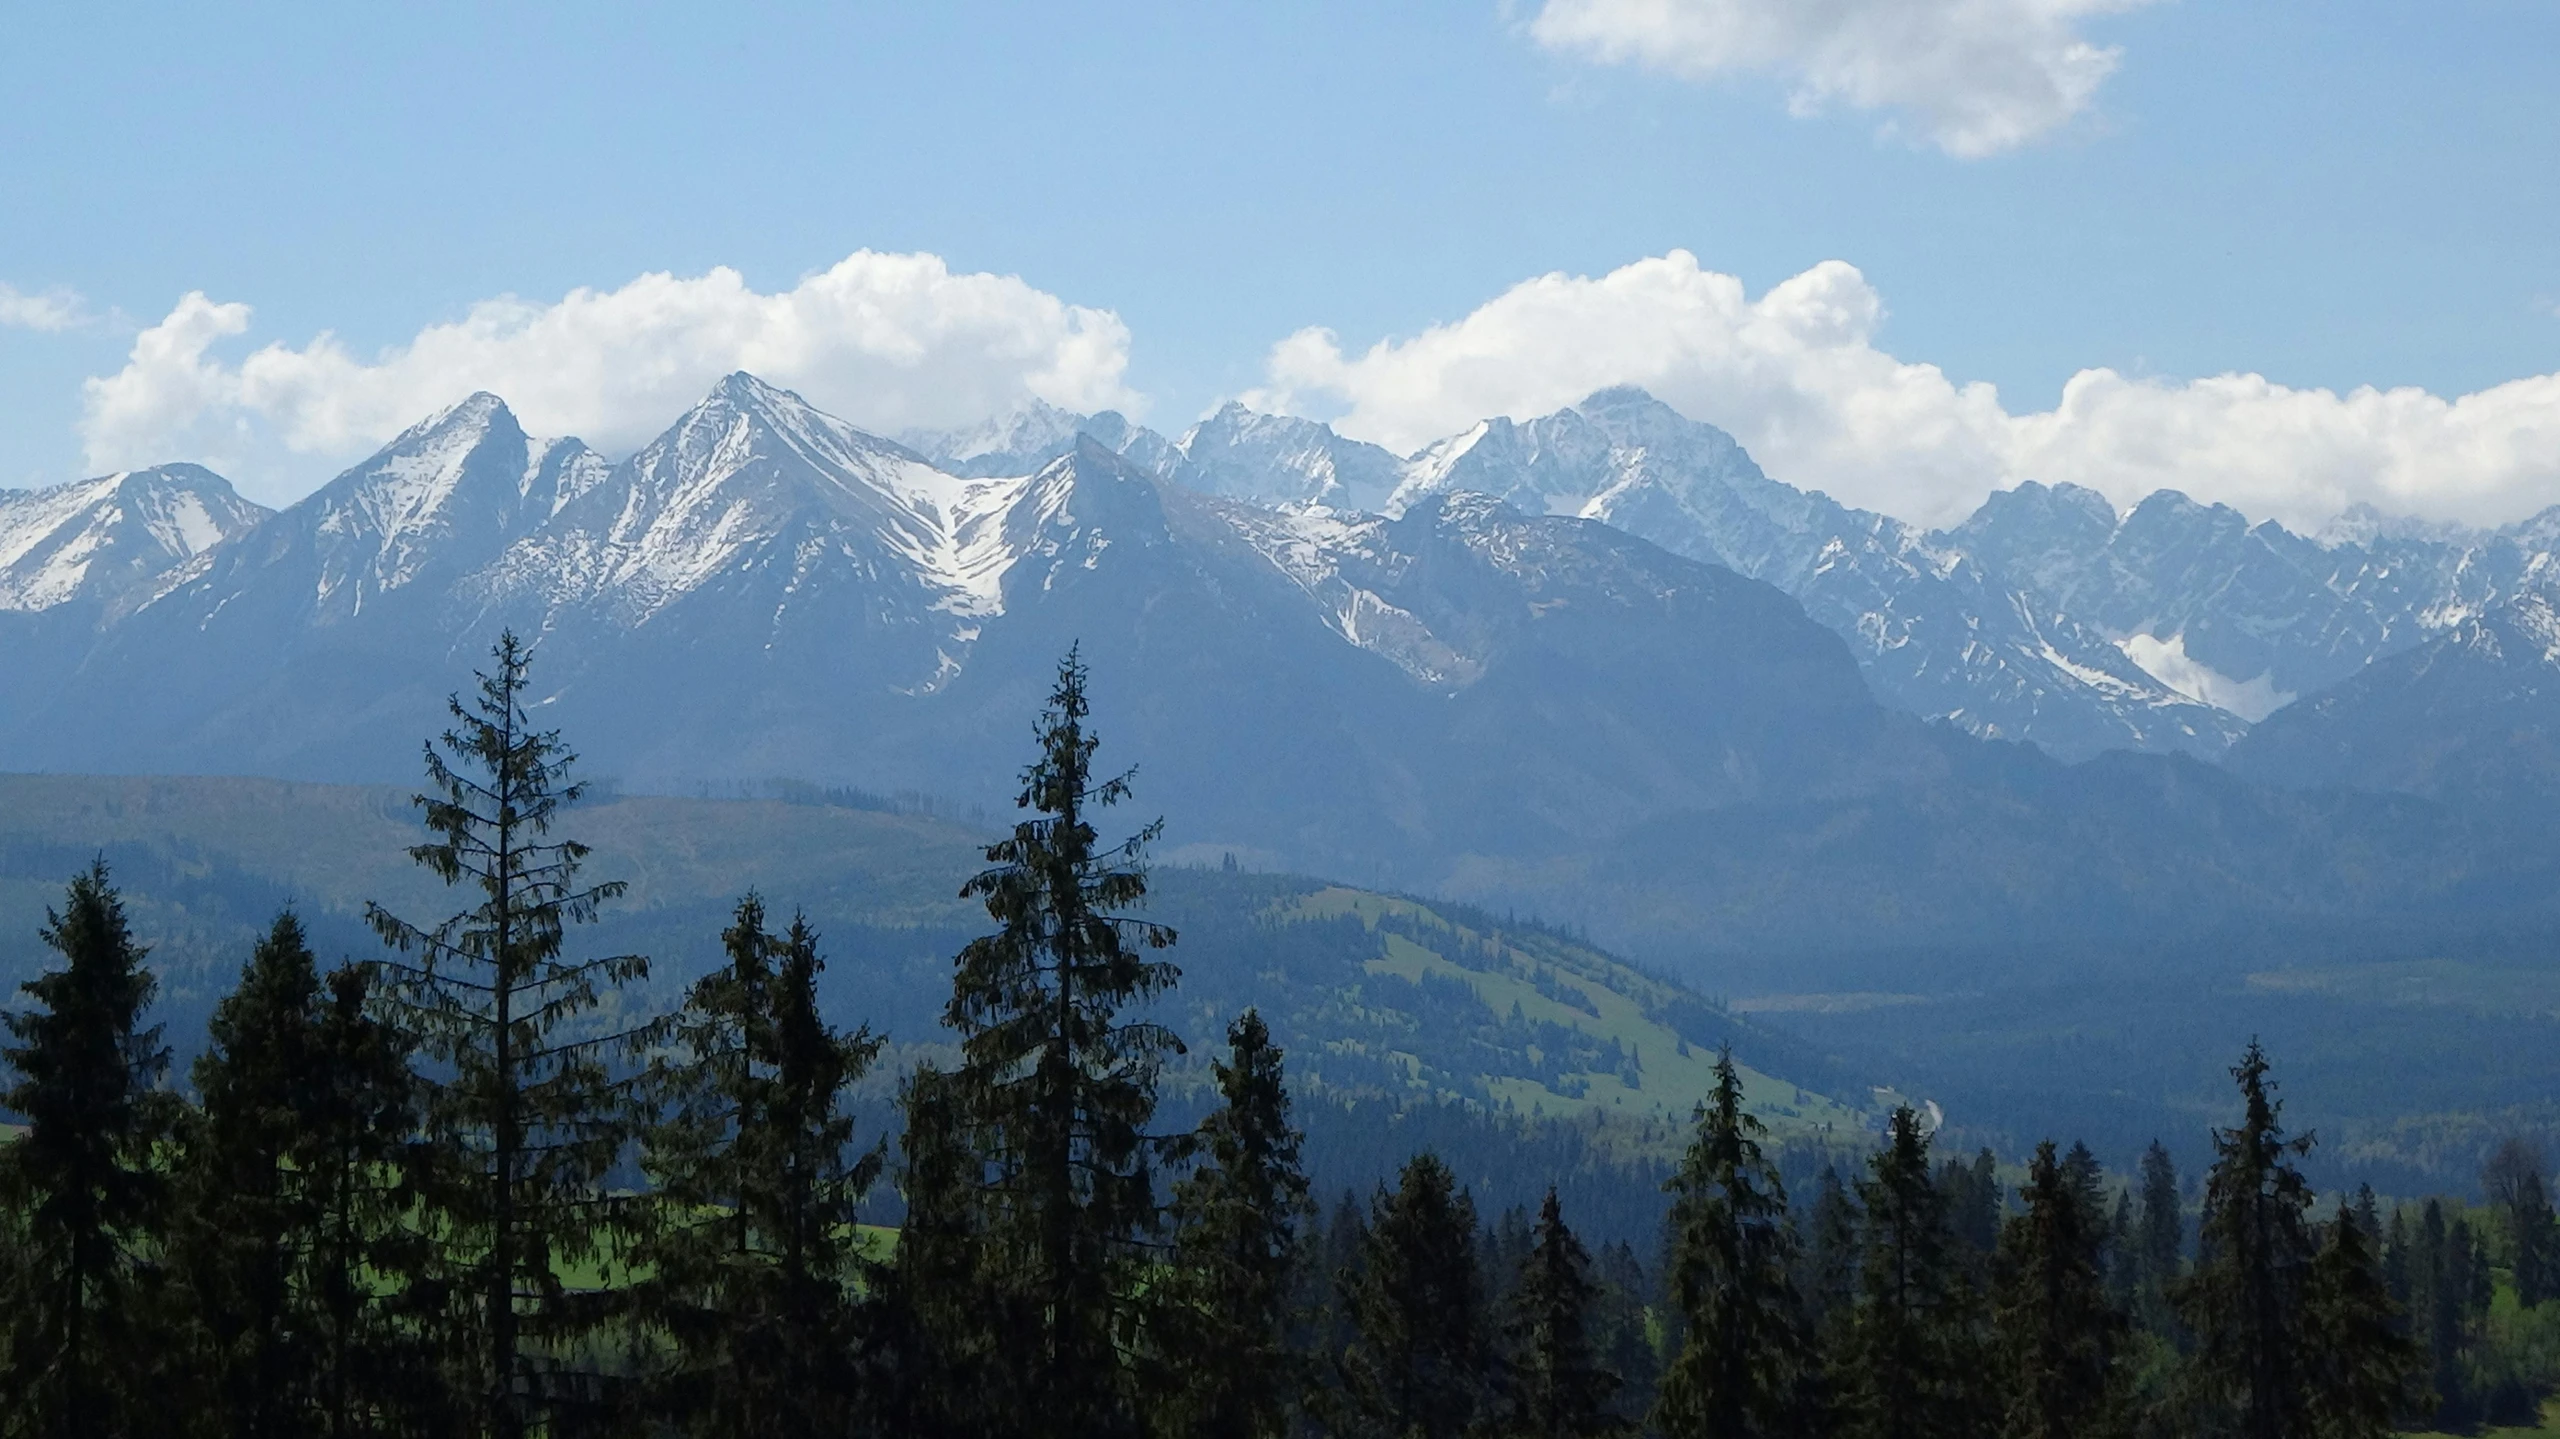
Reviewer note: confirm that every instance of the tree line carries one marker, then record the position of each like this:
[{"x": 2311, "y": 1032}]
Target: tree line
[{"x": 468, "y": 1188}]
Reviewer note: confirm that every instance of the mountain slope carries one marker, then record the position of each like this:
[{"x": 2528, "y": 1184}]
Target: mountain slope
[
  {"x": 282, "y": 648},
  {"x": 2253, "y": 614},
  {"x": 76, "y": 557},
  {"x": 103, "y": 541},
  {"x": 1935, "y": 633},
  {"x": 2472, "y": 715}
]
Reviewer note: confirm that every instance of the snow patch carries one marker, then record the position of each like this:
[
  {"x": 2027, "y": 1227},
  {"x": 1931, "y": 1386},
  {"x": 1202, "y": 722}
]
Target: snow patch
[{"x": 2168, "y": 662}]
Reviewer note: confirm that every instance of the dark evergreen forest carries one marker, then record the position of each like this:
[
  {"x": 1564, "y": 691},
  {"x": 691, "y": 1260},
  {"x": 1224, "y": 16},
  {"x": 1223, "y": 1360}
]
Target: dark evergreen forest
[{"x": 479, "y": 1184}]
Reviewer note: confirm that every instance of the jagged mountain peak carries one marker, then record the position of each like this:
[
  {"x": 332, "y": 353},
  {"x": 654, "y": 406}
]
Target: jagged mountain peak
[
  {"x": 1246, "y": 454},
  {"x": 1582, "y": 459},
  {"x": 743, "y": 417},
  {"x": 1014, "y": 442},
  {"x": 1632, "y": 416},
  {"x": 2364, "y": 524},
  {"x": 110, "y": 537},
  {"x": 447, "y": 492}
]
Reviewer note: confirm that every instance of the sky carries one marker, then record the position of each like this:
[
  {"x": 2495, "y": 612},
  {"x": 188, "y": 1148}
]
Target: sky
[{"x": 2289, "y": 256}]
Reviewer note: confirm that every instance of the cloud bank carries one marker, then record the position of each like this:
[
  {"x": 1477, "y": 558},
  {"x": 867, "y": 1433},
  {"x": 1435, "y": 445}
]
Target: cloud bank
[
  {"x": 50, "y": 311},
  {"x": 1796, "y": 375},
  {"x": 898, "y": 341},
  {"x": 1976, "y": 77},
  {"x": 888, "y": 341}
]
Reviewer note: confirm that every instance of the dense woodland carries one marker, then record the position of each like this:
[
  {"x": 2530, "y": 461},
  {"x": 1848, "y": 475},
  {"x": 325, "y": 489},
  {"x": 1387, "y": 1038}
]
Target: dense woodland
[{"x": 470, "y": 1188}]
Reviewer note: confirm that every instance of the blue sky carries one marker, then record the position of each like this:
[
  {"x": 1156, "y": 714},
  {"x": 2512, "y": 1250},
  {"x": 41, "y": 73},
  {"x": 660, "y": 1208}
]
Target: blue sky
[{"x": 2327, "y": 196}]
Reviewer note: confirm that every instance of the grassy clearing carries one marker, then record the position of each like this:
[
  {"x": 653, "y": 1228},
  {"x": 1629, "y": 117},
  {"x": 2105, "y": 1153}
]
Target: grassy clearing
[{"x": 1541, "y": 975}]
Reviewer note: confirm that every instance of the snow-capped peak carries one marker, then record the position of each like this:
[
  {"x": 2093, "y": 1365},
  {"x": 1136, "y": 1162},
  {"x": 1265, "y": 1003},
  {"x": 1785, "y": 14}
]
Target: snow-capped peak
[
  {"x": 1021, "y": 438},
  {"x": 102, "y": 538}
]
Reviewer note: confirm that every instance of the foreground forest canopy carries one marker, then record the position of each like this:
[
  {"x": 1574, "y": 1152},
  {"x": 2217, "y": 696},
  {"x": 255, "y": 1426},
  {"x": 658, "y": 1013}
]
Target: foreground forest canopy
[{"x": 474, "y": 1186}]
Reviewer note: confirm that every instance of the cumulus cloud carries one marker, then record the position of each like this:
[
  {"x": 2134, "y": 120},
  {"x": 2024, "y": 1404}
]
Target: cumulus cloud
[
  {"x": 1975, "y": 76},
  {"x": 1796, "y": 375},
  {"x": 888, "y": 341},
  {"x": 47, "y": 310}
]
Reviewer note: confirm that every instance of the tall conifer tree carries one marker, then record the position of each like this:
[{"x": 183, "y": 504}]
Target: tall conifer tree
[
  {"x": 755, "y": 1269},
  {"x": 294, "y": 1186},
  {"x": 1056, "y": 1087},
  {"x": 368, "y": 1264},
  {"x": 1739, "y": 1368},
  {"x": 534, "y": 1096},
  {"x": 934, "y": 1340},
  {"x": 1558, "y": 1388},
  {"x": 1239, "y": 1242},
  {"x": 2244, "y": 1301},
  {"x": 2158, "y": 1259},
  {"x": 1913, "y": 1366},
  {"x": 2513, "y": 1181},
  {"x": 2057, "y": 1330},
  {"x": 1421, "y": 1365},
  {"x": 85, "y": 1346},
  {"x": 2364, "y": 1370},
  {"x": 1830, "y": 1284},
  {"x": 251, "y": 1221}
]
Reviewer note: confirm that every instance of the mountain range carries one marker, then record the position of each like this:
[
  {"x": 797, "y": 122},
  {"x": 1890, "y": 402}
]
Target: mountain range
[
  {"x": 1595, "y": 664},
  {"x": 2047, "y": 616}
]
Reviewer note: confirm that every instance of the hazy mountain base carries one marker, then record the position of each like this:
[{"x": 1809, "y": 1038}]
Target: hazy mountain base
[{"x": 1522, "y": 1055}]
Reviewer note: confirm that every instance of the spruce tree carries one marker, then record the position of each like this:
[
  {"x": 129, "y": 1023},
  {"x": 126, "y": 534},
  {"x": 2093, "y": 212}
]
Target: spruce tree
[
  {"x": 368, "y": 1265},
  {"x": 2121, "y": 1258},
  {"x": 2244, "y": 1302},
  {"x": 1623, "y": 1328},
  {"x": 1913, "y": 1361},
  {"x": 2442, "y": 1274},
  {"x": 754, "y": 1263},
  {"x": 1830, "y": 1285},
  {"x": 1324, "y": 1295},
  {"x": 1239, "y": 1221},
  {"x": 1056, "y": 1088},
  {"x": 2158, "y": 1256},
  {"x": 251, "y": 1223},
  {"x": 293, "y": 1181},
  {"x": 2513, "y": 1182},
  {"x": 1558, "y": 1388},
  {"x": 2364, "y": 1370},
  {"x": 1739, "y": 1368},
  {"x": 2057, "y": 1330},
  {"x": 934, "y": 1341},
  {"x": 1973, "y": 1198},
  {"x": 533, "y": 1097},
  {"x": 85, "y": 1342},
  {"x": 1421, "y": 1364}
]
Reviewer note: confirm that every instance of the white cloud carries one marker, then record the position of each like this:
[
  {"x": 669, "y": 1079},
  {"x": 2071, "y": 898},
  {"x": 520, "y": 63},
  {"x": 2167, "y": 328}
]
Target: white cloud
[
  {"x": 887, "y": 341},
  {"x": 1796, "y": 375},
  {"x": 48, "y": 310},
  {"x": 1977, "y": 76}
]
